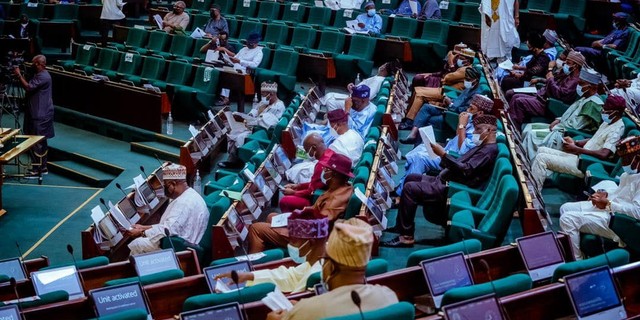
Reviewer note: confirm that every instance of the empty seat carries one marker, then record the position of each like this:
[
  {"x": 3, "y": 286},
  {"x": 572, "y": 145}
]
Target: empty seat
[
  {"x": 276, "y": 33},
  {"x": 65, "y": 12},
  {"x": 192, "y": 102},
  {"x": 331, "y": 42},
  {"x": 129, "y": 64},
  {"x": 470, "y": 14},
  {"x": 158, "y": 41},
  {"x": 178, "y": 73},
  {"x": 152, "y": 69},
  {"x": 246, "y": 9},
  {"x": 269, "y": 11},
  {"x": 107, "y": 60},
  {"x": 431, "y": 47},
  {"x": 293, "y": 13},
  {"x": 135, "y": 38},
  {"x": 303, "y": 37},
  {"x": 358, "y": 59},
  {"x": 180, "y": 46},
  {"x": 32, "y": 10},
  {"x": 404, "y": 27},
  {"x": 282, "y": 70},
  {"x": 249, "y": 26},
  {"x": 201, "y": 5},
  {"x": 319, "y": 16}
]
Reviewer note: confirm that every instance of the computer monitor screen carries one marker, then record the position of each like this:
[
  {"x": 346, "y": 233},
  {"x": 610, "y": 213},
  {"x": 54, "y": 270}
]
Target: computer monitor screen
[
  {"x": 540, "y": 250},
  {"x": 229, "y": 311},
  {"x": 593, "y": 293},
  {"x": 212, "y": 272},
  {"x": 444, "y": 273},
  {"x": 10, "y": 312},
  {"x": 484, "y": 307},
  {"x": 13, "y": 268},
  {"x": 111, "y": 300},
  {"x": 63, "y": 278},
  {"x": 154, "y": 262},
  {"x": 127, "y": 208}
]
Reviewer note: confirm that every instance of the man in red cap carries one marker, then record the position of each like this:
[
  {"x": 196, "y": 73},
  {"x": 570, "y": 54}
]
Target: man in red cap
[
  {"x": 347, "y": 141},
  {"x": 593, "y": 215},
  {"x": 331, "y": 204}
]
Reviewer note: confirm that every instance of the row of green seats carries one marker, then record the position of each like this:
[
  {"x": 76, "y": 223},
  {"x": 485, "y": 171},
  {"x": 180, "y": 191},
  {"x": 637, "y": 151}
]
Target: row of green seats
[{"x": 625, "y": 64}]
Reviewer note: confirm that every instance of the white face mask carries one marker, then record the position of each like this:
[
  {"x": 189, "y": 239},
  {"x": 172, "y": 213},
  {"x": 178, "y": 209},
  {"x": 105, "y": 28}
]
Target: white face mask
[
  {"x": 294, "y": 254},
  {"x": 371, "y": 12},
  {"x": 460, "y": 63},
  {"x": 566, "y": 69},
  {"x": 559, "y": 63},
  {"x": 312, "y": 157},
  {"x": 264, "y": 100},
  {"x": 579, "y": 91},
  {"x": 606, "y": 119},
  {"x": 629, "y": 170},
  {"x": 468, "y": 84},
  {"x": 476, "y": 139}
]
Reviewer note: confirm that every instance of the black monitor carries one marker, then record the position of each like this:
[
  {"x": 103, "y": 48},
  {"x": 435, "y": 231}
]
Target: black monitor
[
  {"x": 541, "y": 254},
  {"x": 13, "y": 268},
  {"x": 228, "y": 311},
  {"x": 114, "y": 299},
  {"x": 444, "y": 273},
  {"x": 484, "y": 307}
]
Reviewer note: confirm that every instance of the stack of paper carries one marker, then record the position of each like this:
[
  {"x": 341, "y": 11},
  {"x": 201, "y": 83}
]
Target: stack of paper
[
  {"x": 277, "y": 301},
  {"x": 428, "y": 137}
]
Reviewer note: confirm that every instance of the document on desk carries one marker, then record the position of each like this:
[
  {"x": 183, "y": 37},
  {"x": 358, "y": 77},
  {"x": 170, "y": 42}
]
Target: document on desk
[
  {"x": 414, "y": 6},
  {"x": 352, "y": 27},
  {"x": 281, "y": 220},
  {"x": 97, "y": 215},
  {"x": 212, "y": 56},
  {"x": 428, "y": 137},
  {"x": 233, "y": 124},
  {"x": 526, "y": 90},
  {"x": 158, "y": 20},
  {"x": 119, "y": 216},
  {"x": 138, "y": 197}
]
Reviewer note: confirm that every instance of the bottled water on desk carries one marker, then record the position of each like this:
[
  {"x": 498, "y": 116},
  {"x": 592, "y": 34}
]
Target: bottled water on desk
[
  {"x": 197, "y": 183},
  {"x": 169, "y": 124}
]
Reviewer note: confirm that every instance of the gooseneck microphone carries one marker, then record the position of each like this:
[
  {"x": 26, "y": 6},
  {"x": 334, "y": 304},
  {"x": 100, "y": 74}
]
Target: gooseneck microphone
[
  {"x": 145, "y": 174},
  {"x": 75, "y": 263},
  {"x": 168, "y": 235},
  {"x": 14, "y": 285},
  {"x": 104, "y": 203},
  {"x": 122, "y": 190},
  {"x": 236, "y": 280},
  {"x": 355, "y": 297}
]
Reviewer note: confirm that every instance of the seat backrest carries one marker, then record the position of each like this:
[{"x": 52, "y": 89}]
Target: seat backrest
[
  {"x": 226, "y": 6},
  {"x": 285, "y": 61},
  {"x": 451, "y": 13},
  {"x": 269, "y": 10},
  {"x": 469, "y": 13},
  {"x": 107, "y": 59},
  {"x": 86, "y": 54},
  {"x": 404, "y": 27},
  {"x": 137, "y": 37},
  {"x": 354, "y": 205},
  {"x": 397, "y": 311},
  {"x": 614, "y": 258},
  {"x": 496, "y": 221},
  {"x": 181, "y": 45},
  {"x": 266, "y": 57},
  {"x": 303, "y": 37},
  {"x": 249, "y": 294},
  {"x": 467, "y": 246},
  {"x": 199, "y": 21},
  {"x": 331, "y": 41},
  {"x": 362, "y": 47},
  {"x": 201, "y": 5},
  {"x": 248, "y": 27},
  {"x": 319, "y": 16},
  {"x": 385, "y": 4},
  {"x": 32, "y": 10},
  {"x": 178, "y": 73},
  {"x": 435, "y": 31},
  {"x": 217, "y": 211},
  {"x": 65, "y": 11},
  {"x": 158, "y": 40},
  {"x": 246, "y": 8},
  {"x": 196, "y": 48},
  {"x": 501, "y": 287},
  {"x": 152, "y": 68},
  {"x": 233, "y": 27},
  {"x": 573, "y": 7},
  {"x": 276, "y": 33},
  {"x": 502, "y": 168},
  {"x": 544, "y": 5},
  {"x": 344, "y": 15},
  {"x": 294, "y": 12},
  {"x": 129, "y": 63},
  {"x": 206, "y": 79},
  {"x": 633, "y": 42}
]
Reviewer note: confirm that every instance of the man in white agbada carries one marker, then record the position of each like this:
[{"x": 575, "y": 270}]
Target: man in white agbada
[
  {"x": 498, "y": 28},
  {"x": 593, "y": 216},
  {"x": 250, "y": 56},
  {"x": 348, "y": 142},
  {"x": 265, "y": 114},
  {"x": 186, "y": 215}
]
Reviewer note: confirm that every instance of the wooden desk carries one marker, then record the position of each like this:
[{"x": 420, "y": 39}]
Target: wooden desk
[
  {"x": 111, "y": 100},
  {"x": 239, "y": 83},
  {"x": 462, "y": 33},
  {"x": 24, "y": 288},
  {"x": 14, "y": 146},
  {"x": 391, "y": 49}
]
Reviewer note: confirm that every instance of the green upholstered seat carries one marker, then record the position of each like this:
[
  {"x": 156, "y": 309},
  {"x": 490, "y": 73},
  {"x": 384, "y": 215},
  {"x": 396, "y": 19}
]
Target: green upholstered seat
[
  {"x": 404, "y": 27},
  {"x": 331, "y": 42},
  {"x": 469, "y": 14},
  {"x": 269, "y": 11},
  {"x": 149, "y": 279},
  {"x": 293, "y": 13},
  {"x": 107, "y": 59},
  {"x": 628, "y": 229},
  {"x": 614, "y": 258},
  {"x": 501, "y": 287},
  {"x": 152, "y": 69},
  {"x": 135, "y": 38},
  {"x": 303, "y": 37},
  {"x": 85, "y": 56},
  {"x": 83, "y": 264},
  {"x": 397, "y": 311},
  {"x": 282, "y": 70},
  {"x": 246, "y": 9},
  {"x": 201, "y": 5},
  {"x": 158, "y": 42},
  {"x": 47, "y": 298},
  {"x": 249, "y": 294},
  {"x": 466, "y": 246},
  {"x": 65, "y": 12},
  {"x": 431, "y": 47},
  {"x": 192, "y": 102},
  {"x": 276, "y": 33},
  {"x": 454, "y": 187},
  {"x": 33, "y": 12},
  {"x": 178, "y": 74},
  {"x": 358, "y": 59},
  {"x": 270, "y": 255},
  {"x": 248, "y": 27},
  {"x": 540, "y": 5},
  {"x": 374, "y": 267},
  {"x": 226, "y": 6},
  {"x": 133, "y": 314},
  {"x": 129, "y": 64},
  {"x": 318, "y": 16},
  {"x": 181, "y": 46},
  {"x": 494, "y": 224}
]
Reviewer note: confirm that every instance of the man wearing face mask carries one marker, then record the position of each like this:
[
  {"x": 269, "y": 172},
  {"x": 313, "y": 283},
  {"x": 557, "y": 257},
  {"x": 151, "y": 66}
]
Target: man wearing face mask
[
  {"x": 219, "y": 43},
  {"x": 298, "y": 196},
  {"x": 522, "y": 106},
  {"x": 618, "y": 39},
  {"x": 593, "y": 215},
  {"x": 361, "y": 110},
  {"x": 186, "y": 215},
  {"x": 216, "y": 24},
  {"x": 250, "y": 56},
  {"x": 264, "y": 114},
  {"x": 536, "y": 67},
  {"x": 584, "y": 115},
  {"x": 602, "y": 145},
  {"x": 343, "y": 4},
  {"x": 472, "y": 169},
  {"x": 370, "y": 21},
  {"x": 429, "y": 114},
  {"x": 177, "y": 20},
  {"x": 418, "y": 160},
  {"x": 347, "y": 141},
  {"x": 343, "y": 271}
]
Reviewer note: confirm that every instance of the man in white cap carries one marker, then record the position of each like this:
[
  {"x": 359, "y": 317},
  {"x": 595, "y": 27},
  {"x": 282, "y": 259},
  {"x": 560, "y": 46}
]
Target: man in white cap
[
  {"x": 370, "y": 21},
  {"x": 264, "y": 114},
  {"x": 343, "y": 272},
  {"x": 186, "y": 215}
]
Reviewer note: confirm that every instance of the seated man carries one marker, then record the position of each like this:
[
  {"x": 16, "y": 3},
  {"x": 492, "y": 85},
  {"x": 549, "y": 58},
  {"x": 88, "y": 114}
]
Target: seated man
[
  {"x": 370, "y": 21},
  {"x": 216, "y": 24},
  {"x": 347, "y": 141},
  {"x": 177, "y": 20},
  {"x": 298, "y": 196},
  {"x": 186, "y": 215},
  {"x": 451, "y": 64},
  {"x": 250, "y": 56},
  {"x": 331, "y": 205},
  {"x": 343, "y": 272},
  {"x": 522, "y": 106},
  {"x": 264, "y": 114},
  {"x": 618, "y": 39},
  {"x": 602, "y": 145},
  {"x": 472, "y": 169},
  {"x": 404, "y": 9},
  {"x": 361, "y": 110},
  {"x": 343, "y": 4},
  {"x": 536, "y": 67},
  {"x": 584, "y": 114},
  {"x": 432, "y": 115},
  {"x": 593, "y": 215},
  {"x": 430, "y": 10},
  {"x": 551, "y": 37},
  {"x": 305, "y": 238},
  {"x": 221, "y": 44},
  {"x": 418, "y": 160},
  {"x": 334, "y": 100},
  {"x": 629, "y": 90}
]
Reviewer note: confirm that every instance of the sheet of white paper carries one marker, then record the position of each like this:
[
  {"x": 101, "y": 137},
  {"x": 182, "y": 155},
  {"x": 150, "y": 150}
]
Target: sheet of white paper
[
  {"x": 506, "y": 65},
  {"x": 158, "y": 20},
  {"x": 414, "y": 6},
  {"x": 96, "y": 214},
  {"x": 428, "y": 137},
  {"x": 319, "y": 3},
  {"x": 193, "y": 130},
  {"x": 139, "y": 197},
  {"x": 211, "y": 115},
  {"x": 212, "y": 56},
  {"x": 251, "y": 257},
  {"x": 120, "y": 218},
  {"x": 352, "y": 24},
  {"x": 526, "y": 90},
  {"x": 607, "y": 185},
  {"x": 281, "y": 220},
  {"x": 197, "y": 33},
  {"x": 233, "y": 124}
]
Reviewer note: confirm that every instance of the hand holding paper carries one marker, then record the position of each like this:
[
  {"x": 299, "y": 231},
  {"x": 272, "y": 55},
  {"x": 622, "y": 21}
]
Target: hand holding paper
[{"x": 428, "y": 137}]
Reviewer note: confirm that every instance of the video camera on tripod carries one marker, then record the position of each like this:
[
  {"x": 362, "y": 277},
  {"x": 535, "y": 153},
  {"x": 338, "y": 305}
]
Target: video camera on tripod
[
  {"x": 11, "y": 91},
  {"x": 12, "y": 60}
]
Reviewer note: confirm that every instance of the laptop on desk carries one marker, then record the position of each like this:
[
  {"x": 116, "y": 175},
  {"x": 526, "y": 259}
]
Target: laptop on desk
[
  {"x": 228, "y": 311},
  {"x": 594, "y": 296},
  {"x": 444, "y": 273},
  {"x": 541, "y": 254},
  {"x": 483, "y": 307},
  {"x": 13, "y": 268},
  {"x": 63, "y": 278},
  {"x": 114, "y": 299}
]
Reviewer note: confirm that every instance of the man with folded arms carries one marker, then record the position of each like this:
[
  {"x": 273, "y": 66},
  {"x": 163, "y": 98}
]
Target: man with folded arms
[
  {"x": 343, "y": 272},
  {"x": 593, "y": 215},
  {"x": 177, "y": 20},
  {"x": 472, "y": 169}
]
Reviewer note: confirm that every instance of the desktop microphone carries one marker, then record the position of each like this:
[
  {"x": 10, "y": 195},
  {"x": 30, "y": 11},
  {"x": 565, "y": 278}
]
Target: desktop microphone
[
  {"x": 145, "y": 174},
  {"x": 75, "y": 263},
  {"x": 466, "y": 253},
  {"x": 14, "y": 285},
  {"x": 235, "y": 278},
  {"x": 168, "y": 235},
  {"x": 104, "y": 203},
  {"x": 122, "y": 190},
  {"x": 158, "y": 158},
  {"x": 355, "y": 297},
  {"x": 19, "y": 251},
  {"x": 484, "y": 263}
]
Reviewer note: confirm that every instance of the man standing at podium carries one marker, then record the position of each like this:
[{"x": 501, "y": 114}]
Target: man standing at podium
[
  {"x": 38, "y": 116},
  {"x": 186, "y": 215}
]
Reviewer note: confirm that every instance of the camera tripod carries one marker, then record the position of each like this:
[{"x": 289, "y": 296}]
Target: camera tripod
[{"x": 10, "y": 98}]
